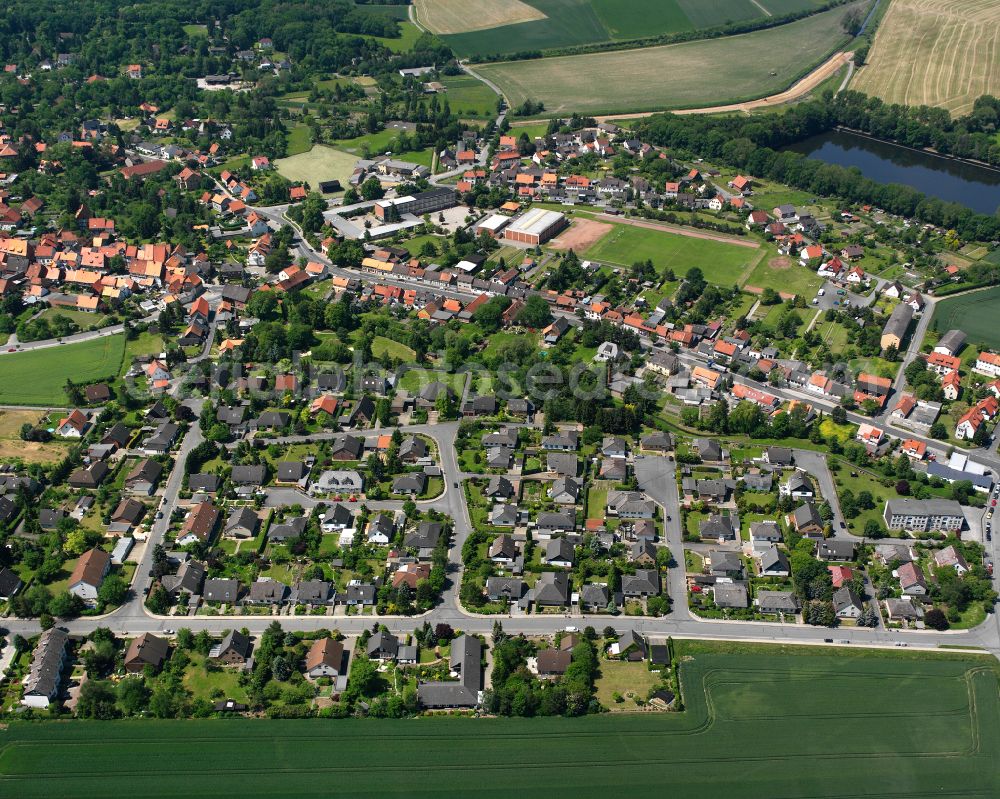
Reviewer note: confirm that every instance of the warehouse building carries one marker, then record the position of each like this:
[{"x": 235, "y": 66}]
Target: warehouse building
[{"x": 536, "y": 226}]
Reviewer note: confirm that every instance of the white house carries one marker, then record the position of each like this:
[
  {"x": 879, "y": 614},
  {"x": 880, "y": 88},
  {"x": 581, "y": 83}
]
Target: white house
[
  {"x": 89, "y": 574},
  {"x": 988, "y": 363}
]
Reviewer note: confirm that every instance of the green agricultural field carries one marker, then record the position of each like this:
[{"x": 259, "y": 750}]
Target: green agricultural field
[
  {"x": 974, "y": 313},
  {"x": 568, "y": 23},
  {"x": 635, "y": 20},
  {"x": 319, "y": 163},
  {"x": 702, "y": 73},
  {"x": 781, "y": 7},
  {"x": 721, "y": 263},
  {"x": 469, "y": 97},
  {"x": 712, "y": 13},
  {"x": 764, "y": 723},
  {"x": 37, "y": 377}
]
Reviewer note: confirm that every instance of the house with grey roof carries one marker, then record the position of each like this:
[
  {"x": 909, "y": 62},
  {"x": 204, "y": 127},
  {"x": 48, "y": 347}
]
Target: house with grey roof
[
  {"x": 565, "y": 491},
  {"x": 730, "y": 595},
  {"x": 594, "y": 597},
  {"x": 551, "y": 590},
  {"x": 252, "y": 474},
  {"x": 313, "y": 592},
  {"x": 243, "y": 522},
  {"x": 41, "y": 686},
  {"x": 559, "y": 552},
  {"x": 774, "y": 602},
  {"x": 562, "y": 463},
  {"x": 717, "y": 527},
  {"x": 338, "y": 481},
  {"x": 708, "y": 449},
  {"x": 413, "y": 483},
  {"x": 504, "y": 515},
  {"x": 466, "y": 669},
  {"x": 504, "y": 589},
  {"x": 288, "y": 529},
  {"x": 499, "y": 488},
  {"x": 221, "y": 591},
  {"x": 773, "y": 563},
  {"x": 562, "y": 441},
  {"x": 644, "y": 583},
  {"x": 266, "y": 591},
  {"x": 381, "y": 529},
  {"x": 847, "y": 604},
  {"x": 292, "y": 473},
  {"x": 724, "y": 563},
  {"x": 658, "y": 441},
  {"x": 188, "y": 580},
  {"x": 382, "y": 646},
  {"x": 561, "y": 522}
]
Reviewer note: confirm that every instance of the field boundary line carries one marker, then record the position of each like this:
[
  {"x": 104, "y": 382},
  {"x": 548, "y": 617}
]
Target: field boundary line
[{"x": 680, "y": 230}]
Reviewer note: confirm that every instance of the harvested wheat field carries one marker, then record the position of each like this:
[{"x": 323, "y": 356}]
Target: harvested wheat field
[
  {"x": 462, "y": 16},
  {"x": 943, "y": 53}
]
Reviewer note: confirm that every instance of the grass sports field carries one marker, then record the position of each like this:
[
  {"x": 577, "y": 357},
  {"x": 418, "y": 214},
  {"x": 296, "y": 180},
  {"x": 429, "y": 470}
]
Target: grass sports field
[
  {"x": 320, "y": 163},
  {"x": 935, "y": 52},
  {"x": 975, "y": 314},
  {"x": 721, "y": 263},
  {"x": 702, "y": 73},
  {"x": 507, "y": 26},
  {"x": 858, "y": 724},
  {"x": 37, "y": 377}
]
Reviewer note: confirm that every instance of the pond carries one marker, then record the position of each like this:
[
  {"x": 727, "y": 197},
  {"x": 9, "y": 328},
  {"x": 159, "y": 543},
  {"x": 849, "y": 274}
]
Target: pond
[{"x": 955, "y": 181}]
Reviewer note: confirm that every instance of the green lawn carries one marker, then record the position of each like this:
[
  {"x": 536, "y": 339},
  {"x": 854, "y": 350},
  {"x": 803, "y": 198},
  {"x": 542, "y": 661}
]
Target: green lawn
[
  {"x": 82, "y": 319},
  {"x": 202, "y": 683},
  {"x": 720, "y": 262},
  {"x": 469, "y": 97},
  {"x": 413, "y": 380},
  {"x": 409, "y": 33},
  {"x": 624, "y": 678},
  {"x": 767, "y": 722},
  {"x": 782, "y": 274},
  {"x": 597, "y": 499},
  {"x": 299, "y": 140},
  {"x": 382, "y": 345},
  {"x": 38, "y": 377},
  {"x": 383, "y": 142},
  {"x": 143, "y": 344}
]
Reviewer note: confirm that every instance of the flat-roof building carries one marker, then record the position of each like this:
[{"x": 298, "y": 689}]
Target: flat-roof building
[
  {"x": 923, "y": 514},
  {"x": 536, "y": 226},
  {"x": 424, "y": 202}
]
